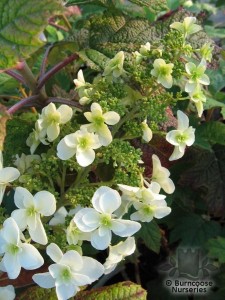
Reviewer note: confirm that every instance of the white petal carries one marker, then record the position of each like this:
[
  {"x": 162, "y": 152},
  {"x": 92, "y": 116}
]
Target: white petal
[
  {"x": 168, "y": 186},
  {"x": 171, "y": 137},
  {"x": 23, "y": 198},
  {"x": 190, "y": 132},
  {"x": 176, "y": 154},
  {"x": 106, "y": 200},
  {"x": 59, "y": 217},
  {"x": 49, "y": 109},
  {"x": 7, "y": 293},
  {"x": 20, "y": 216},
  {"x": 96, "y": 109},
  {"x": 130, "y": 228},
  {"x": 161, "y": 212},
  {"x": 87, "y": 219},
  {"x": 12, "y": 265},
  {"x": 190, "y": 67},
  {"x": 204, "y": 79},
  {"x": 72, "y": 259},
  {"x": 38, "y": 235},
  {"x": 183, "y": 121},
  {"x": 44, "y": 280},
  {"x": 66, "y": 113},
  {"x": 45, "y": 203},
  {"x": 66, "y": 291},
  {"x": 53, "y": 131},
  {"x": 64, "y": 152},
  {"x": 91, "y": 268},
  {"x": 190, "y": 86},
  {"x": 10, "y": 231},
  {"x": 85, "y": 158},
  {"x": 111, "y": 118},
  {"x": 30, "y": 258},
  {"x": 101, "y": 242},
  {"x": 54, "y": 252},
  {"x": 8, "y": 174}
]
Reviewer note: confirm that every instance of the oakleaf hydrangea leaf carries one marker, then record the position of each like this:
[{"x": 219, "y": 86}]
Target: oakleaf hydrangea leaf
[
  {"x": 121, "y": 291},
  {"x": 217, "y": 248},
  {"x": 22, "y": 22}
]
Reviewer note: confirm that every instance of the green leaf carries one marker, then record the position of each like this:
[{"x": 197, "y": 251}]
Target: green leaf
[
  {"x": 215, "y": 32},
  {"x": 193, "y": 230},
  {"x": 8, "y": 85},
  {"x": 213, "y": 132},
  {"x": 217, "y": 249},
  {"x": 151, "y": 235},
  {"x": 37, "y": 293},
  {"x": 154, "y": 6},
  {"x": 207, "y": 176},
  {"x": 121, "y": 291},
  {"x": 211, "y": 103},
  {"x": 21, "y": 24}
]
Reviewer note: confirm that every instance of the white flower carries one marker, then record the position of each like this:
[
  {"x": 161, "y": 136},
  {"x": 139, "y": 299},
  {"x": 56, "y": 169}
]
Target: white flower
[
  {"x": 98, "y": 122},
  {"x": 206, "y": 51},
  {"x": 129, "y": 195},
  {"x": 30, "y": 210},
  {"x": 151, "y": 204},
  {"x": 7, "y": 293},
  {"x": 24, "y": 162},
  {"x": 161, "y": 176},
  {"x": 80, "y": 82},
  {"x": 36, "y": 137},
  {"x": 181, "y": 137},
  {"x": 198, "y": 97},
  {"x": 196, "y": 75},
  {"x": 147, "y": 132},
  {"x": 115, "y": 66},
  {"x": 118, "y": 252},
  {"x": 16, "y": 254},
  {"x": 144, "y": 50},
  {"x": 100, "y": 220},
  {"x": 69, "y": 272},
  {"x": 187, "y": 27},
  {"x": 163, "y": 72},
  {"x": 75, "y": 236},
  {"x": 7, "y": 175},
  {"x": 59, "y": 217},
  {"x": 82, "y": 144},
  {"x": 51, "y": 118}
]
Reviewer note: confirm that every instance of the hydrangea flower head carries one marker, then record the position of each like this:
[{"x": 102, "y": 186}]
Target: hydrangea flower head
[
  {"x": 163, "y": 71},
  {"x": 183, "y": 136},
  {"x": 16, "y": 254},
  {"x": 99, "y": 122},
  {"x": 69, "y": 272},
  {"x": 101, "y": 220},
  {"x": 30, "y": 210}
]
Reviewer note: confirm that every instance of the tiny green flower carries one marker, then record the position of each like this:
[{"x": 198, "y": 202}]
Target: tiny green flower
[
  {"x": 187, "y": 27},
  {"x": 196, "y": 75},
  {"x": 163, "y": 72}
]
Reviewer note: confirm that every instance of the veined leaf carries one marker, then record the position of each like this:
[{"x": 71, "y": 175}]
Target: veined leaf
[
  {"x": 193, "y": 230},
  {"x": 121, "y": 291},
  {"x": 217, "y": 248},
  {"x": 151, "y": 235},
  {"x": 213, "y": 132},
  {"x": 22, "y": 22}
]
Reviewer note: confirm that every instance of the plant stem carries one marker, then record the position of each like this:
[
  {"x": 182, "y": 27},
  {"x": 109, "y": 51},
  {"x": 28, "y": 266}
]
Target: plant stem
[
  {"x": 64, "y": 101},
  {"x": 16, "y": 76},
  {"x": 22, "y": 103},
  {"x": 55, "y": 69},
  {"x": 44, "y": 61}
]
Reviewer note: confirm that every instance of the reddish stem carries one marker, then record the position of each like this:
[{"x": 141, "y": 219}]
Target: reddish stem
[
  {"x": 16, "y": 76},
  {"x": 55, "y": 69},
  {"x": 63, "y": 101},
  {"x": 21, "y": 103},
  {"x": 44, "y": 61}
]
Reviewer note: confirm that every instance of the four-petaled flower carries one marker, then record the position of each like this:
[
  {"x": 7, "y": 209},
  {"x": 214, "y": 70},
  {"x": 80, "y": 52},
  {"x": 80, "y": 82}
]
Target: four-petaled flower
[
  {"x": 187, "y": 27},
  {"x": 101, "y": 221},
  {"x": 118, "y": 252},
  {"x": 183, "y": 136},
  {"x": 30, "y": 210},
  {"x": 82, "y": 144},
  {"x": 163, "y": 71},
  {"x": 196, "y": 76},
  {"x": 16, "y": 254},
  {"x": 98, "y": 122},
  {"x": 51, "y": 118},
  {"x": 69, "y": 272},
  {"x": 114, "y": 67},
  {"x": 7, "y": 175},
  {"x": 161, "y": 175}
]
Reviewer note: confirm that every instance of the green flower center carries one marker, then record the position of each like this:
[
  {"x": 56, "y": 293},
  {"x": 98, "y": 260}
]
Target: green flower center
[
  {"x": 54, "y": 117},
  {"x": 163, "y": 71},
  {"x": 83, "y": 142},
  {"x": 148, "y": 210},
  {"x": 65, "y": 274},
  {"x": 13, "y": 249},
  {"x": 106, "y": 220},
  {"x": 99, "y": 121},
  {"x": 31, "y": 211},
  {"x": 180, "y": 138}
]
